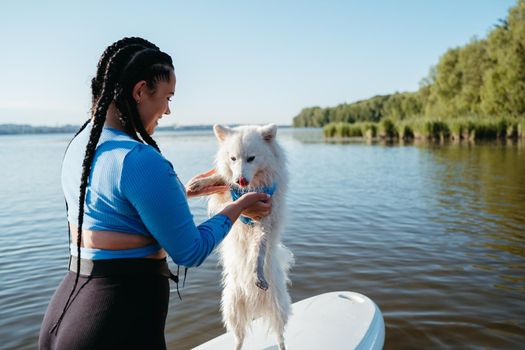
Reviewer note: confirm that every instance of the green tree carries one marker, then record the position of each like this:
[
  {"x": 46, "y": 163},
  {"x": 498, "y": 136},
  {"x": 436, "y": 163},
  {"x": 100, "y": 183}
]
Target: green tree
[
  {"x": 444, "y": 92},
  {"x": 484, "y": 78},
  {"x": 504, "y": 90}
]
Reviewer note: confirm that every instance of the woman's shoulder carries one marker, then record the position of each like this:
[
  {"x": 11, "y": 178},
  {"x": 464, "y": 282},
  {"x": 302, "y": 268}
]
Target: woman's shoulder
[
  {"x": 146, "y": 170},
  {"x": 144, "y": 157},
  {"x": 144, "y": 152}
]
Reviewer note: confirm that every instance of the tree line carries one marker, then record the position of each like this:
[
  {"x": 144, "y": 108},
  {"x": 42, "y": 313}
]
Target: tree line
[{"x": 484, "y": 78}]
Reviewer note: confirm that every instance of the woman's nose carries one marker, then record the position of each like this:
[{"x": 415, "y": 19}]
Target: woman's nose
[{"x": 168, "y": 111}]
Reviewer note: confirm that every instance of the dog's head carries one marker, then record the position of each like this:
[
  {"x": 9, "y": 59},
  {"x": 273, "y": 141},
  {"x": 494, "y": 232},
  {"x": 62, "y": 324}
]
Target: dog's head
[{"x": 248, "y": 156}]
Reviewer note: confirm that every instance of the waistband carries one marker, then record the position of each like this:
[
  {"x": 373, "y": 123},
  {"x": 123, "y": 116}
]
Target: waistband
[
  {"x": 107, "y": 254},
  {"x": 120, "y": 267},
  {"x": 125, "y": 267}
]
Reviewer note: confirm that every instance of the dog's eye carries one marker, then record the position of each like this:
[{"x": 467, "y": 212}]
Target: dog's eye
[
  {"x": 250, "y": 159},
  {"x": 233, "y": 159}
]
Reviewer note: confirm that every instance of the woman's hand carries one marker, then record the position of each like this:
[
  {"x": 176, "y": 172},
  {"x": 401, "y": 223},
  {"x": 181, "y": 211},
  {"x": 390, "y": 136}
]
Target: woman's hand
[
  {"x": 205, "y": 184},
  {"x": 255, "y": 207}
]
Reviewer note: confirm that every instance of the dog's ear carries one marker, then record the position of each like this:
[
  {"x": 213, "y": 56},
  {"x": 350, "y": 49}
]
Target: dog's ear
[
  {"x": 268, "y": 132},
  {"x": 221, "y": 132}
]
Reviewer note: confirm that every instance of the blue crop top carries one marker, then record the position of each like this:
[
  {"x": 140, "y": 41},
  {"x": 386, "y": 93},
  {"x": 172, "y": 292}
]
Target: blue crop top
[{"x": 133, "y": 189}]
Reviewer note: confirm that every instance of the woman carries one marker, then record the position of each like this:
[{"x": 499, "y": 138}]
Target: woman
[{"x": 129, "y": 210}]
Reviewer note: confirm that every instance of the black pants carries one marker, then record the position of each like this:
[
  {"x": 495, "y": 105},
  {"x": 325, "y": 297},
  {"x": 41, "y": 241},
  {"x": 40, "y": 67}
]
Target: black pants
[{"x": 119, "y": 311}]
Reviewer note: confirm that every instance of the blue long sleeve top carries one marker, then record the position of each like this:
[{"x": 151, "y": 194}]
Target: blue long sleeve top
[{"x": 133, "y": 189}]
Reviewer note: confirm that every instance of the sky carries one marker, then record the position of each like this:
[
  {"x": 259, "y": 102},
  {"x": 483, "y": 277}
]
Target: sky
[{"x": 236, "y": 62}]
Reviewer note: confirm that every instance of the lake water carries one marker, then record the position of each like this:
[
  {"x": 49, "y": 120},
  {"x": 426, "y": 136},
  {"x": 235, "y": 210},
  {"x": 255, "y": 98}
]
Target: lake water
[{"x": 434, "y": 234}]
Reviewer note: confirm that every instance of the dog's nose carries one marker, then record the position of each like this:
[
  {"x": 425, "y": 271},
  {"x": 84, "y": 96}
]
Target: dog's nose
[{"x": 242, "y": 181}]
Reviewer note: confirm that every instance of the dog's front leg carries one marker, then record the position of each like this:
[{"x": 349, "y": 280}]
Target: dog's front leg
[
  {"x": 198, "y": 183},
  {"x": 261, "y": 280}
]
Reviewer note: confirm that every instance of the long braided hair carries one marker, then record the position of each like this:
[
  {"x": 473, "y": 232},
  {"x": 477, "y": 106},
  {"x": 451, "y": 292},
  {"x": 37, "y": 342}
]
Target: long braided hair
[
  {"x": 127, "y": 65},
  {"x": 98, "y": 79},
  {"x": 151, "y": 66}
]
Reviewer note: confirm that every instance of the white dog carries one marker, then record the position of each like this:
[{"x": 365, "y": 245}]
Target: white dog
[{"x": 255, "y": 262}]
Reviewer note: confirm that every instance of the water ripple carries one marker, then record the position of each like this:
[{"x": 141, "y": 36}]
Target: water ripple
[{"x": 435, "y": 235}]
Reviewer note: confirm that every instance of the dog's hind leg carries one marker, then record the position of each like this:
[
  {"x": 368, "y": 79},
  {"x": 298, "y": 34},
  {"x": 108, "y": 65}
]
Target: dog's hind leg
[
  {"x": 235, "y": 314},
  {"x": 239, "y": 331},
  {"x": 280, "y": 339},
  {"x": 280, "y": 304},
  {"x": 278, "y": 328},
  {"x": 239, "y": 339},
  {"x": 261, "y": 280}
]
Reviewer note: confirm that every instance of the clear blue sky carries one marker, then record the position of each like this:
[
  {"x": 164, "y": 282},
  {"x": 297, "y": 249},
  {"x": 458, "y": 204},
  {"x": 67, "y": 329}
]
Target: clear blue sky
[{"x": 235, "y": 61}]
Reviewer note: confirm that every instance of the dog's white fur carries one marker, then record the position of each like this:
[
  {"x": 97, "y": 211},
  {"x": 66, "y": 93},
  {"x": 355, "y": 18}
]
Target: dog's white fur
[{"x": 242, "y": 300}]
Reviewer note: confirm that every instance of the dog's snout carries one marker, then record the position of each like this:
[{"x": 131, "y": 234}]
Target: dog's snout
[{"x": 242, "y": 181}]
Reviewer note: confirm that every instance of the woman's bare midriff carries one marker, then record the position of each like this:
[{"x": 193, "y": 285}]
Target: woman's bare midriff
[{"x": 114, "y": 240}]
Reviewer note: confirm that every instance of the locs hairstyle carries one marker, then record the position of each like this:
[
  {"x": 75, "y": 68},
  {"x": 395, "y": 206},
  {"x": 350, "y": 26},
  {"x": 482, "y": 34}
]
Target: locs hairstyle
[{"x": 124, "y": 64}]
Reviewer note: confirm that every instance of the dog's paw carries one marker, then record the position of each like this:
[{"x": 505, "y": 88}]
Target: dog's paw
[
  {"x": 199, "y": 183},
  {"x": 262, "y": 284},
  {"x": 195, "y": 185}
]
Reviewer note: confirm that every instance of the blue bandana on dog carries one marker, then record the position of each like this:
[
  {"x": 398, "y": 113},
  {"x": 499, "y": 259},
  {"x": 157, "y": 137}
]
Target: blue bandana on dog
[{"x": 237, "y": 192}]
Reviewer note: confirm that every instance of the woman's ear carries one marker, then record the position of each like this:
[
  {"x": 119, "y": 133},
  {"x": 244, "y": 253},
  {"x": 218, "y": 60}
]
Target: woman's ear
[{"x": 139, "y": 90}]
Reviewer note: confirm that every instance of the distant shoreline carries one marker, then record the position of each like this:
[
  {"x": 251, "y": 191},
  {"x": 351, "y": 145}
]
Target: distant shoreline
[{"x": 25, "y": 129}]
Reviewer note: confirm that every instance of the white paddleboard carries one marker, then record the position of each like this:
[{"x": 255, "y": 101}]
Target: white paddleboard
[{"x": 336, "y": 320}]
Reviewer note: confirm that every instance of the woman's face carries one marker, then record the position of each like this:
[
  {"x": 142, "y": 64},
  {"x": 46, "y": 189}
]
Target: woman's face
[{"x": 152, "y": 105}]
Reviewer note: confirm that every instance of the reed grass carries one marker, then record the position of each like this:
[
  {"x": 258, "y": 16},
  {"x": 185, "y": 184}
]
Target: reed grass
[
  {"x": 435, "y": 129},
  {"x": 387, "y": 129}
]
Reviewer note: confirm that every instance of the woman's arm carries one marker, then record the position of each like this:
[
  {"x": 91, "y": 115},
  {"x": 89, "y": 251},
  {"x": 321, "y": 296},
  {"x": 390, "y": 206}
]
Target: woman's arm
[
  {"x": 153, "y": 188},
  {"x": 210, "y": 183}
]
